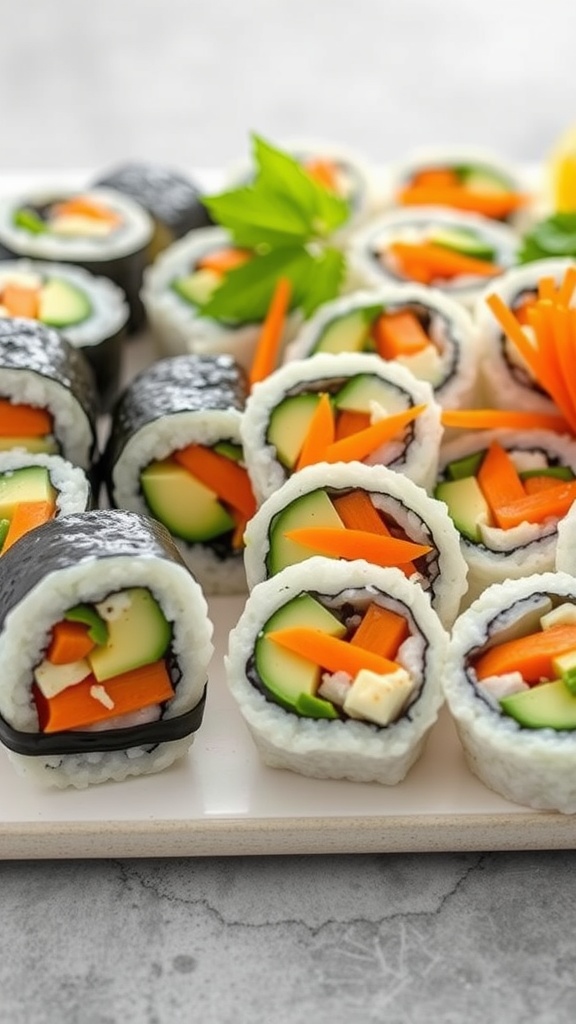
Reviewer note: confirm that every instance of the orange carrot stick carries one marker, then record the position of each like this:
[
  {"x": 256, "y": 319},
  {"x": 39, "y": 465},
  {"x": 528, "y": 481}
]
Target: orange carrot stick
[
  {"x": 521, "y": 310},
  {"x": 399, "y": 334},
  {"x": 27, "y": 516},
  {"x": 547, "y": 289},
  {"x": 434, "y": 178},
  {"x": 222, "y": 475},
  {"x": 358, "y": 513},
  {"x": 442, "y": 262},
  {"x": 567, "y": 287},
  {"x": 530, "y": 655},
  {"x": 565, "y": 345},
  {"x": 550, "y": 373},
  {"x": 498, "y": 479},
  {"x": 362, "y": 444},
  {"x": 83, "y": 206},
  {"x": 352, "y": 544},
  {"x": 239, "y": 529},
  {"x": 537, "y": 484},
  {"x": 221, "y": 261},
  {"x": 23, "y": 420},
  {"x": 381, "y": 631},
  {"x": 70, "y": 642},
  {"x": 320, "y": 434},
  {"x": 78, "y": 706},
  {"x": 329, "y": 652},
  {"x": 490, "y": 204},
  {"x": 514, "y": 332},
  {"x": 324, "y": 172},
  {"x": 505, "y": 419},
  {"x": 534, "y": 508},
  {"x": 350, "y": 422},
  {"x": 267, "y": 349},
  {"x": 21, "y": 301}
]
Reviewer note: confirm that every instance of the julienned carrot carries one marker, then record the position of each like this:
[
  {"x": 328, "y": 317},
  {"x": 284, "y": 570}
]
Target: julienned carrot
[
  {"x": 84, "y": 206},
  {"x": 89, "y": 702},
  {"x": 435, "y": 176},
  {"x": 534, "y": 508},
  {"x": 320, "y": 434},
  {"x": 362, "y": 444},
  {"x": 550, "y": 372},
  {"x": 350, "y": 422},
  {"x": 537, "y": 484},
  {"x": 547, "y": 289},
  {"x": 567, "y": 287},
  {"x": 27, "y": 516},
  {"x": 530, "y": 655},
  {"x": 221, "y": 261},
  {"x": 498, "y": 479},
  {"x": 23, "y": 420},
  {"x": 399, "y": 334},
  {"x": 222, "y": 475},
  {"x": 490, "y": 204},
  {"x": 506, "y": 419},
  {"x": 513, "y": 330},
  {"x": 358, "y": 513},
  {"x": 268, "y": 347},
  {"x": 353, "y": 544},
  {"x": 329, "y": 652},
  {"x": 441, "y": 262},
  {"x": 324, "y": 172},
  {"x": 239, "y": 529},
  {"x": 521, "y": 310},
  {"x": 21, "y": 301},
  {"x": 381, "y": 631},
  {"x": 70, "y": 642}
]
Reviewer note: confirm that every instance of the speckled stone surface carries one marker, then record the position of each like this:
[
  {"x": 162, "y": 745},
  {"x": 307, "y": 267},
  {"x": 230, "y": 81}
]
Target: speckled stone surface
[{"x": 400, "y": 939}]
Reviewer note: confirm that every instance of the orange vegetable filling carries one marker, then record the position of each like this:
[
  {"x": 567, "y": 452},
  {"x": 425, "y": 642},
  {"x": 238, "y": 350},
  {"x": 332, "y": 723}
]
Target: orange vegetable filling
[{"x": 17, "y": 420}]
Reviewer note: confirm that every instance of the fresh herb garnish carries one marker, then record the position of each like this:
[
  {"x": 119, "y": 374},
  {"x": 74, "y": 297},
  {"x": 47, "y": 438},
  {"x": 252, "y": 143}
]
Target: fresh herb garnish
[
  {"x": 287, "y": 218},
  {"x": 555, "y": 236}
]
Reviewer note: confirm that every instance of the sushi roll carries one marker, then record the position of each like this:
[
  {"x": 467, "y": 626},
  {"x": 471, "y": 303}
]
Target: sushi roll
[
  {"x": 98, "y": 229},
  {"x": 174, "y": 452},
  {"x": 566, "y": 546},
  {"x": 340, "y": 408},
  {"x": 91, "y": 312},
  {"x": 110, "y": 679},
  {"x": 510, "y": 685},
  {"x": 48, "y": 400},
  {"x": 35, "y": 489},
  {"x": 336, "y": 669},
  {"x": 353, "y": 511},
  {"x": 181, "y": 281},
  {"x": 419, "y": 328},
  {"x": 453, "y": 251},
  {"x": 506, "y": 492},
  {"x": 171, "y": 199}
]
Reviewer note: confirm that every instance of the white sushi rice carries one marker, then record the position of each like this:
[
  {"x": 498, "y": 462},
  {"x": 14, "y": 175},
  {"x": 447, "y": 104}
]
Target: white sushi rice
[
  {"x": 451, "y": 330},
  {"x": 352, "y": 750},
  {"x": 25, "y": 636},
  {"x": 505, "y": 389},
  {"x": 72, "y": 427},
  {"x": 566, "y": 546},
  {"x": 73, "y": 492},
  {"x": 536, "y": 767},
  {"x": 158, "y": 440},
  {"x": 422, "y": 518},
  {"x": 417, "y": 459}
]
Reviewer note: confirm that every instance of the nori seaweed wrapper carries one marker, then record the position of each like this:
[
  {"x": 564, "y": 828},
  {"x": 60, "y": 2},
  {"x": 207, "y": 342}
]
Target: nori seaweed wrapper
[{"x": 170, "y": 197}]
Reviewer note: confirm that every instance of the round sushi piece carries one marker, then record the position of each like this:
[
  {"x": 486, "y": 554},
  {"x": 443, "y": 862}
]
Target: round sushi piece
[
  {"x": 566, "y": 546},
  {"x": 48, "y": 400},
  {"x": 362, "y": 391},
  {"x": 91, "y": 312},
  {"x": 461, "y": 178},
  {"x": 336, "y": 669},
  {"x": 98, "y": 229},
  {"x": 324, "y": 508},
  {"x": 104, "y": 650},
  {"x": 420, "y": 328},
  {"x": 507, "y": 492},
  {"x": 450, "y": 250},
  {"x": 35, "y": 489},
  {"x": 509, "y": 684},
  {"x": 175, "y": 453},
  {"x": 172, "y": 200},
  {"x": 506, "y": 378},
  {"x": 181, "y": 280}
]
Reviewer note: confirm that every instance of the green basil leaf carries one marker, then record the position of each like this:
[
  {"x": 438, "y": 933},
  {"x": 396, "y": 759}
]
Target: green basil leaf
[
  {"x": 325, "y": 279},
  {"x": 554, "y": 236},
  {"x": 254, "y": 217},
  {"x": 245, "y": 294}
]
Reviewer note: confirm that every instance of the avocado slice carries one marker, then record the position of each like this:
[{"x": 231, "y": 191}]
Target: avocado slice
[
  {"x": 63, "y": 304},
  {"x": 464, "y": 241},
  {"x": 30, "y": 483},
  {"x": 349, "y": 332},
  {"x": 34, "y": 445},
  {"x": 88, "y": 616},
  {"x": 30, "y": 221},
  {"x": 286, "y": 675},
  {"x": 358, "y": 392},
  {"x": 547, "y": 706},
  {"x": 315, "y": 707},
  {"x": 4, "y": 527},
  {"x": 482, "y": 179},
  {"x": 469, "y": 465},
  {"x": 467, "y": 506},
  {"x": 558, "y": 472},
  {"x": 289, "y": 425},
  {"x": 138, "y": 635},
  {"x": 188, "y": 508},
  {"x": 313, "y": 509},
  {"x": 230, "y": 450},
  {"x": 197, "y": 288}
]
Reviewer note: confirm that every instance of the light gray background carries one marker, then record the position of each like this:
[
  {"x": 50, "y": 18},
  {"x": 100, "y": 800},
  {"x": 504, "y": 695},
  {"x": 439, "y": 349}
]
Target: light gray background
[{"x": 401, "y": 939}]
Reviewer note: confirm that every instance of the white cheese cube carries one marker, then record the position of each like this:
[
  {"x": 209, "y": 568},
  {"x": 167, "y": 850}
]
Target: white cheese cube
[
  {"x": 563, "y": 615},
  {"x": 378, "y": 698},
  {"x": 52, "y": 679}
]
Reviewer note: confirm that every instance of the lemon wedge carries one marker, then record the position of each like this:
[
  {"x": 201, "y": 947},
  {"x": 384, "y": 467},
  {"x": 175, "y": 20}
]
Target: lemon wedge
[{"x": 562, "y": 167}]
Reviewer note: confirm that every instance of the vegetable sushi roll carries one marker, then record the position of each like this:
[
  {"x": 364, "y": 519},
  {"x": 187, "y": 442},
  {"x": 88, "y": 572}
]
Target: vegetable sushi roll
[
  {"x": 336, "y": 669},
  {"x": 98, "y": 229},
  {"x": 506, "y": 492},
  {"x": 171, "y": 199},
  {"x": 110, "y": 680},
  {"x": 35, "y": 489},
  {"x": 175, "y": 453},
  {"x": 453, "y": 251},
  {"x": 510, "y": 685},
  {"x": 48, "y": 399},
  {"x": 340, "y": 408},
  {"x": 420, "y": 328},
  {"x": 353, "y": 511},
  {"x": 182, "y": 281},
  {"x": 91, "y": 312}
]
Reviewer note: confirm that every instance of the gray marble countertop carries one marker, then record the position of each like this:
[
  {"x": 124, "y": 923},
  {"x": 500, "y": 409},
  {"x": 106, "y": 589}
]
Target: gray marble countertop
[{"x": 403, "y": 938}]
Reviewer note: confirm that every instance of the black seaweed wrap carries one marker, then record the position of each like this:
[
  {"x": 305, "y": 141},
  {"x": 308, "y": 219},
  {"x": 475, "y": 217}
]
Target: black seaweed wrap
[{"x": 171, "y": 199}]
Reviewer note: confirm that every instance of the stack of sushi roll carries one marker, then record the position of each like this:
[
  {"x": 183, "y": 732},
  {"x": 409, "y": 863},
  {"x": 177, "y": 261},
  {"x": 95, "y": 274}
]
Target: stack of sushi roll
[
  {"x": 336, "y": 669},
  {"x": 35, "y": 489},
  {"x": 104, "y": 648},
  {"x": 174, "y": 452},
  {"x": 420, "y": 328},
  {"x": 339, "y": 408}
]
